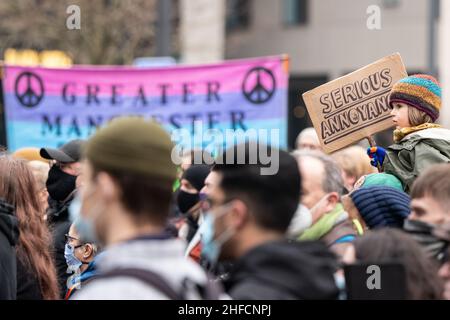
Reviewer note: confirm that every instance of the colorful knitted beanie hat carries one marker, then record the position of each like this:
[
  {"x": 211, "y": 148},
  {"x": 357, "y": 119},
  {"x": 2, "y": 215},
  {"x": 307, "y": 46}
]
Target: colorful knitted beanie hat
[{"x": 419, "y": 91}]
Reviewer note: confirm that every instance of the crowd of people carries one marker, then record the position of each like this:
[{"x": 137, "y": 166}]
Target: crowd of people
[{"x": 114, "y": 218}]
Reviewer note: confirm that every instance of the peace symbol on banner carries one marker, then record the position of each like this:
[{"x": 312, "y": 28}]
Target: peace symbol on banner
[
  {"x": 259, "y": 85},
  {"x": 29, "y": 89}
]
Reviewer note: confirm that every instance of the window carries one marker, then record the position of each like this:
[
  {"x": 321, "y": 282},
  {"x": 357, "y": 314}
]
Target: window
[
  {"x": 238, "y": 14},
  {"x": 295, "y": 12}
]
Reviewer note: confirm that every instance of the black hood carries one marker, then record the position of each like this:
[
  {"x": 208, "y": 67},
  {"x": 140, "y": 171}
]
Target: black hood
[
  {"x": 9, "y": 226},
  {"x": 301, "y": 270}
]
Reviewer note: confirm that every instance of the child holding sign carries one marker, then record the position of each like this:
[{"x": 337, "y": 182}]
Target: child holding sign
[{"x": 419, "y": 142}]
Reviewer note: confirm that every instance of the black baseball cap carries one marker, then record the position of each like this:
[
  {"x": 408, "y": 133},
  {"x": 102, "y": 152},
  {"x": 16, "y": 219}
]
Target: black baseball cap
[{"x": 69, "y": 152}]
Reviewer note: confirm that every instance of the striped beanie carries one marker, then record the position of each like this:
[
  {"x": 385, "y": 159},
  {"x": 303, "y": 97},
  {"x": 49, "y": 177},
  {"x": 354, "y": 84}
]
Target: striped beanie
[
  {"x": 419, "y": 91},
  {"x": 381, "y": 206}
]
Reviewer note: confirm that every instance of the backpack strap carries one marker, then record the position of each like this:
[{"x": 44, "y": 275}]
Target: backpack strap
[{"x": 148, "y": 277}]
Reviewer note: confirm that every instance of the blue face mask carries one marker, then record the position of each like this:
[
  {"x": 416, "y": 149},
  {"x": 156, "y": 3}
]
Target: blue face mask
[
  {"x": 211, "y": 245},
  {"x": 72, "y": 262},
  {"x": 84, "y": 226},
  {"x": 210, "y": 249}
]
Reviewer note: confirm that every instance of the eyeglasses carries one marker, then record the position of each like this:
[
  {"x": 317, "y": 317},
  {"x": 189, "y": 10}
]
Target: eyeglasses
[{"x": 69, "y": 239}]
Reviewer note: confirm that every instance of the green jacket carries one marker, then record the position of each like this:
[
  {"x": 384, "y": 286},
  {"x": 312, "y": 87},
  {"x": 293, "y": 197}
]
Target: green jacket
[{"x": 415, "y": 153}]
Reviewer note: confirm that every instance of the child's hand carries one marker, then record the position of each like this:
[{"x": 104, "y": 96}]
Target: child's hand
[{"x": 377, "y": 155}]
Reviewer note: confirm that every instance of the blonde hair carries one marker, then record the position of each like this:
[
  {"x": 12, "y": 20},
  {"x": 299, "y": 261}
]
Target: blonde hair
[
  {"x": 30, "y": 154},
  {"x": 354, "y": 162},
  {"x": 40, "y": 172},
  {"x": 417, "y": 117}
]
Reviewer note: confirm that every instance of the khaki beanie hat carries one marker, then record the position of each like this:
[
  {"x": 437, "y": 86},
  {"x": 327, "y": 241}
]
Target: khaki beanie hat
[{"x": 132, "y": 144}]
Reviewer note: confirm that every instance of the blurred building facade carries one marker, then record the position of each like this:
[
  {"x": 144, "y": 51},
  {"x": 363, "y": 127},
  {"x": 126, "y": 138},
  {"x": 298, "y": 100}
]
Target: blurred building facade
[
  {"x": 326, "y": 39},
  {"x": 202, "y": 30}
]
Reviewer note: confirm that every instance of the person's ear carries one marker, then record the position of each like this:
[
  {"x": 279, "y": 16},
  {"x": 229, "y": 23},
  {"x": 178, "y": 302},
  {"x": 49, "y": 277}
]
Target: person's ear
[
  {"x": 108, "y": 186},
  {"x": 239, "y": 214},
  {"x": 332, "y": 200},
  {"x": 88, "y": 251}
]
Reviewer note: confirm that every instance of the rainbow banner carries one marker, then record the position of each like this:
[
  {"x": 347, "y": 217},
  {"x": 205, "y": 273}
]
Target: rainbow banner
[{"x": 48, "y": 107}]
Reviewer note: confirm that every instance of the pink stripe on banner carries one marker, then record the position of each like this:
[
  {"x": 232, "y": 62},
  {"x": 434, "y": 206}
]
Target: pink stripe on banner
[{"x": 198, "y": 80}]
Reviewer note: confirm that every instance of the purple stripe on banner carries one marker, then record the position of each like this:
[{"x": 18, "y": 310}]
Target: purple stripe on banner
[
  {"x": 230, "y": 77},
  {"x": 237, "y": 94}
]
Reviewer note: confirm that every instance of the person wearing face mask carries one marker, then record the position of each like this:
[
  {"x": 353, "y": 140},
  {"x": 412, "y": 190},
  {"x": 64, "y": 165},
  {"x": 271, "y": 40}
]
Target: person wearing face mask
[
  {"x": 80, "y": 257},
  {"x": 125, "y": 202},
  {"x": 322, "y": 190},
  {"x": 301, "y": 221},
  {"x": 61, "y": 186},
  {"x": 246, "y": 221},
  {"x": 189, "y": 204},
  {"x": 430, "y": 209},
  {"x": 443, "y": 233}
]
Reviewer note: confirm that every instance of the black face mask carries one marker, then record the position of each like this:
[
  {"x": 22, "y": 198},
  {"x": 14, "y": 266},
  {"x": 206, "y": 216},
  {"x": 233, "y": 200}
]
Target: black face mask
[
  {"x": 60, "y": 184},
  {"x": 423, "y": 233},
  {"x": 186, "y": 200}
]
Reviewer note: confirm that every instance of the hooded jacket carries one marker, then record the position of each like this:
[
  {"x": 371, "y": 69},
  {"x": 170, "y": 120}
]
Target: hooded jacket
[
  {"x": 284, "y": 270},
  {"x": 9, "y": 235},
  {"x": 416, "y": 152}
]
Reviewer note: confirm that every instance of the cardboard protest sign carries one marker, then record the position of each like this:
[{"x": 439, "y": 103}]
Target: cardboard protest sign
[{"x": 355, "y": 106}]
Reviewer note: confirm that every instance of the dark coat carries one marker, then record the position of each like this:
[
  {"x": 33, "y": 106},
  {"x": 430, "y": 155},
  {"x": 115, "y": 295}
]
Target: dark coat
[
  {"x": 9, "y": 236},
  {"x": 284, "y": 271},
  {"x": 59, "y": 220},
  {"x": 28, "y": 287}
]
